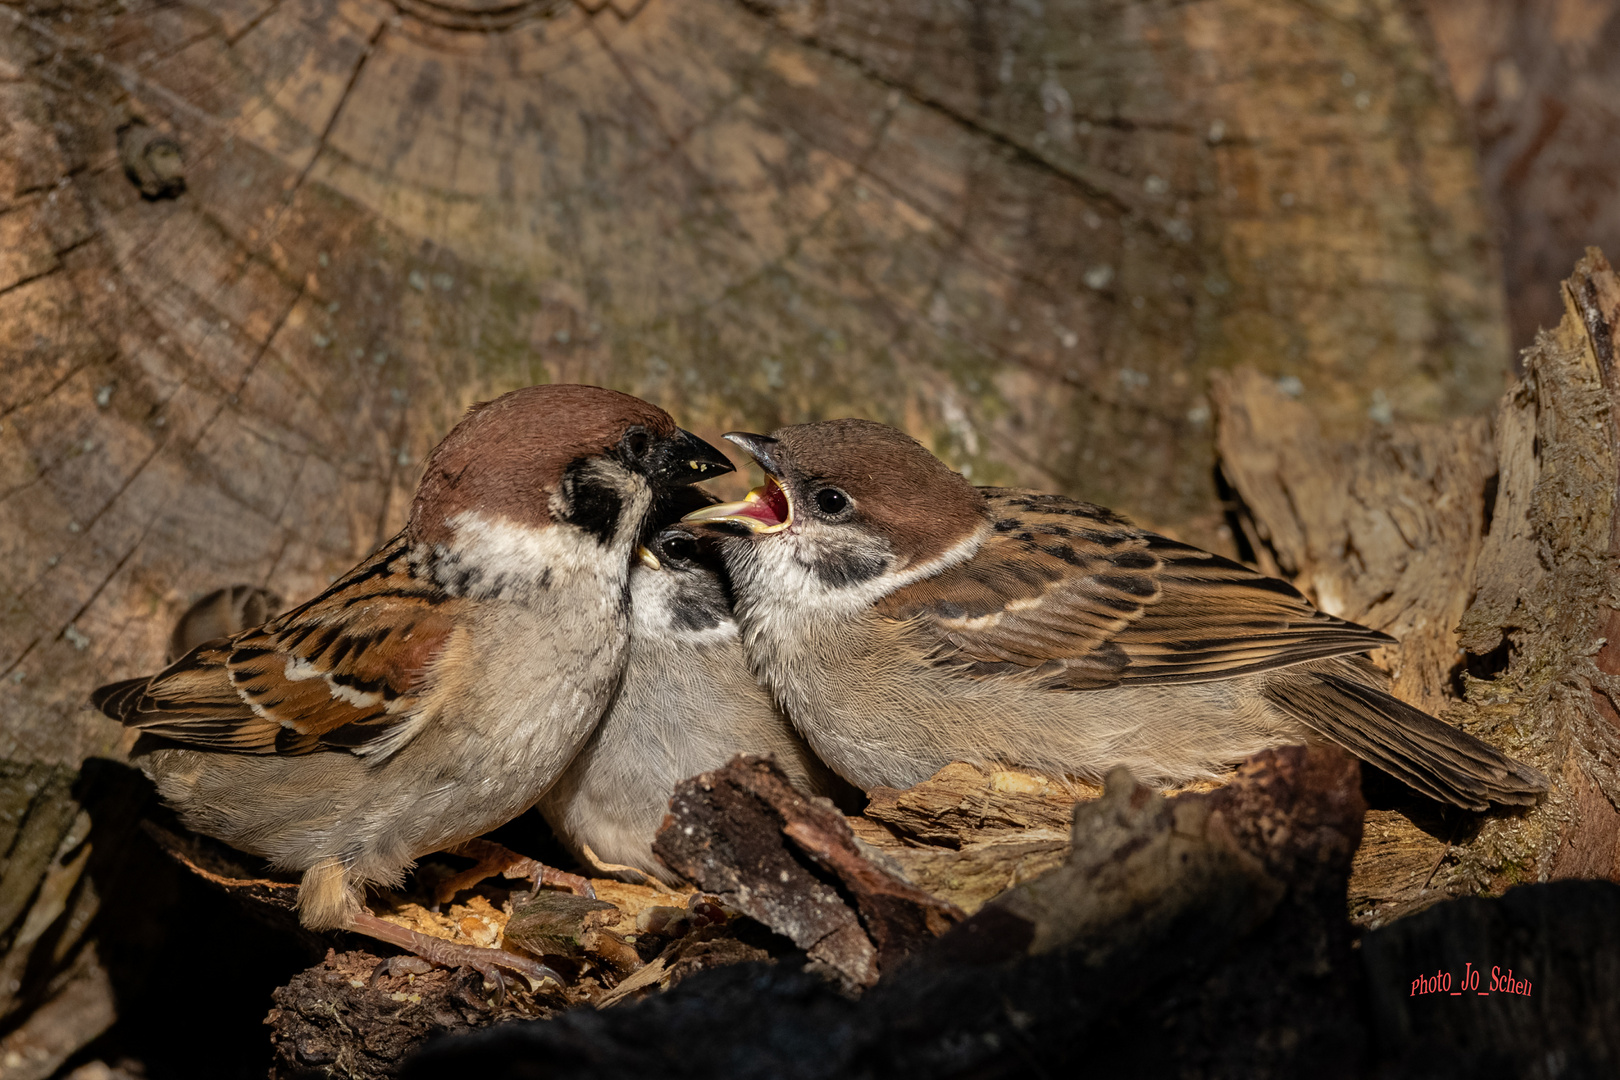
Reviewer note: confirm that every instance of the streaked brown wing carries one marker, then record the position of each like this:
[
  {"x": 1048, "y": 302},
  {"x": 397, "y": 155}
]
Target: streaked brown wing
[
  {"x": 345, "y": 671},
  {"x": 1075, "y": 591}
]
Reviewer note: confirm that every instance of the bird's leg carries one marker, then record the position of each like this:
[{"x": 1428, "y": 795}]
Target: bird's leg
[
  {"x": 487, "y": 962},
  {"x": 493, "y": 858}
]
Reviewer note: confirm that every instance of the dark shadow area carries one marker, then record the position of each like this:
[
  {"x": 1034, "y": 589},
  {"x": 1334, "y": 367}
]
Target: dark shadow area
[
  {"x": 1481, "y": 666},
  {"x": 1290, "y": 999},
  {"x": 1448, "y": 824},
  {"x": 192, "y": 969},
  {"x": 1239, "y": 522}
]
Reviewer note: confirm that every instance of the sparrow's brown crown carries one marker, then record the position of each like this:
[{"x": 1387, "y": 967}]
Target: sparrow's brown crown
[
  {"x": 895, "y": 487},
  {"x": 508, "y": 456}
]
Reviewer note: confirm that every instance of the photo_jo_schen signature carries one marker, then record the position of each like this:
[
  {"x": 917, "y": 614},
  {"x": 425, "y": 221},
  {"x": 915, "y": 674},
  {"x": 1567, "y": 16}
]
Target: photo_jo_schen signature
[{"x": 1440, "y": 983}]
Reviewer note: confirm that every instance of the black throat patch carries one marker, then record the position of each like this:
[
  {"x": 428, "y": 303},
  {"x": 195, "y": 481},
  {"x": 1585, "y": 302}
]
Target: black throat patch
[{"x": 594, "y": 504}]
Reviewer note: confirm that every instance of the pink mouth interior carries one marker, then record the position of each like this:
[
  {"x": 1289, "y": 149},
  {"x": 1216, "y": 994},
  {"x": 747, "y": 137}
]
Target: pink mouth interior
[
  {"x": 766, "y": 504},
  {"x": 774, "y": 499}
]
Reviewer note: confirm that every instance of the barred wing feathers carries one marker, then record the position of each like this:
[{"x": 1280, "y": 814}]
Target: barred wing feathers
[
  {"x": 1075, "y": 591},
  {"x": 345, "y": 671}
]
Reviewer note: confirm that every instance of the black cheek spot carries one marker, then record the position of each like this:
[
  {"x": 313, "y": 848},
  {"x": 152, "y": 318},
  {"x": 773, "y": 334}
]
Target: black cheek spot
[
  {"x": 463, "y": 579},
  {"x": 593, "y": 504},
  {"x": 845, "y": 568}
]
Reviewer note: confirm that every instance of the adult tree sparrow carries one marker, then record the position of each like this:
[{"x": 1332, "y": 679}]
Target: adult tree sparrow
[
  {"x": 436, "y": 690},
  {"x": 688, "y": 703},
  {"x": 905, "y": 619}
]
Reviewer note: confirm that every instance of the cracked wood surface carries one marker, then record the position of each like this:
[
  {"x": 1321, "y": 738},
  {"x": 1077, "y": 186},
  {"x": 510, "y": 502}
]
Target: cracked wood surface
[
  {"x": 1537, "y": 82},
  {"x": 1025, "y": 233},
  {"x": 1492, "y": 557}
]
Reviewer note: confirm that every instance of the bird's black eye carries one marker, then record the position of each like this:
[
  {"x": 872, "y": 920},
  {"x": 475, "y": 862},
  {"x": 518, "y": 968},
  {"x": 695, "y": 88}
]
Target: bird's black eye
[
  {"x": 637, "y": 442},
  {"x": 831, "y": 502},
  {"x": 679, "y": 548}
]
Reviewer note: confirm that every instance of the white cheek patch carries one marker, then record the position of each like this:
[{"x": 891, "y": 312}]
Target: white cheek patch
[
  {"x": 501, "y": 547},
  {"x": 496, "y": 558},
  {"x": 782, "y": 578}
]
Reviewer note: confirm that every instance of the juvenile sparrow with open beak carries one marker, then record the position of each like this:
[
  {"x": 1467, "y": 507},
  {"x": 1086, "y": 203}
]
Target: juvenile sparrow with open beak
[
  {"x": 688, "y": 703},
  {"x": 436, "y": 690},
  {"x": 905, "y": 619}
]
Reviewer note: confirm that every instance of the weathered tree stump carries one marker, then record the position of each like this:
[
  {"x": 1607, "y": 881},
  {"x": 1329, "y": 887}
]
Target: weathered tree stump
[
  {"x": 1494, "y": 561},
  {"x": 255, "y": 257}
]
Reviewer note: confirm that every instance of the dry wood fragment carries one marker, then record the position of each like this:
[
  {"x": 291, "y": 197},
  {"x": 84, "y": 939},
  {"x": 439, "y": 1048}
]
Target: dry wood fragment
[
  {"x": 337, "y": 1019},
  {"x": 962, "y": 802},
  {"x": 1494, "y": 562},
  {"x": 791, "y": 862},
  {"x": 558, "y": 924}
]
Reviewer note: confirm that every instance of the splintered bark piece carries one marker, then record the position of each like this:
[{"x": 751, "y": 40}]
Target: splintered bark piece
[
  {"x": 1289, "y": 819},
  {"x": 1546, "y": 591},
  {"x": 341, "y": 1017},
  {"x": 1138, "y": 864},
  {"x": 966, "y": 835},
  {"x": 962, "y": 804},
  {"x": 1494, "y": 561},
  {"x": 791, "y": 862},
  {"x": 553, "y": 923}
]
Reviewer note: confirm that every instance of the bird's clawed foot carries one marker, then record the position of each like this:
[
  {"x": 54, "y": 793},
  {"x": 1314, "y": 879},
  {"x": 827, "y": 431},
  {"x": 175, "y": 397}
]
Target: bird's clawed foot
[
  {"x": 493, "y": 858},
  {"x": 487, "y": 962}
]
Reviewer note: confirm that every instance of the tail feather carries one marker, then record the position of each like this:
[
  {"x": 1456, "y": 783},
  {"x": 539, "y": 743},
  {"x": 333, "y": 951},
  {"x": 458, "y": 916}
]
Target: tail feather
[
  {"x": 1427, "y": 755},
  {"x": 118, "y": 699}
]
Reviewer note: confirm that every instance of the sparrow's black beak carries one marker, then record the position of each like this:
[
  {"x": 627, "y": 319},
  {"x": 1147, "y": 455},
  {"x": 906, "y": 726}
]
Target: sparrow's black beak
[
  {"x": 685, "y": 459},
  {"x": 766, "y": 509},
  {"x": 761, "y": 447}
]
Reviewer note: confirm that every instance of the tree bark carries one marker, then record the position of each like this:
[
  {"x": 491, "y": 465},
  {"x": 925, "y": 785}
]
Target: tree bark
[
  {"x": 1539, "y": 85},
  {"x": 257, "y": 256},
  {"x": 1495, "y": 566}
]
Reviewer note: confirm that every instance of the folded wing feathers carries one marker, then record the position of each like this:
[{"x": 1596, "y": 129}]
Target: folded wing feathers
[
  {"x": 314, "y": 678},
  {"x": 1073, "y": 590}
]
